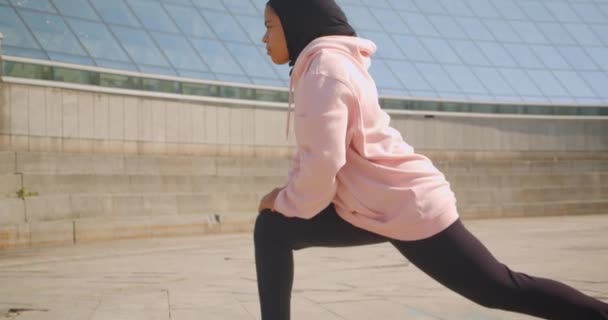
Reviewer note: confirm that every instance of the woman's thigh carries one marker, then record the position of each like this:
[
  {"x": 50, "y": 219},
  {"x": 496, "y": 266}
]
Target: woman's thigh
[{"x": 326, "y": 229}]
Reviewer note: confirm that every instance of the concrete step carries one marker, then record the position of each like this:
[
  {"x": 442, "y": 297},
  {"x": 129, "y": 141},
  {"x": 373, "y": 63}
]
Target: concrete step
[
  {"x": 75, "y": 206},
  {"x": 522, "y": 166},
  {"x": 554, "y": 208},
  {"x": 7, "y": 162},
  {"x": 9, "y": 185},
  {"x": 12, "y": 210},
  {"x": 95, "y": 205},
  {"x": 46, "y": 184},
  {"x": 516, "y": 180},
  {"x": 53, "y": 163},
  {"x": 500, "y": 196},
  {"x": 86, "y": 230},
  {"x": 61, "y": 163}
]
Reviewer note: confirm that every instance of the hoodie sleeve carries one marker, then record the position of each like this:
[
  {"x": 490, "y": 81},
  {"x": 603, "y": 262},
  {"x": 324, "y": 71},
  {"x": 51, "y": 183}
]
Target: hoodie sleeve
[{"x": 321, "y": 119}]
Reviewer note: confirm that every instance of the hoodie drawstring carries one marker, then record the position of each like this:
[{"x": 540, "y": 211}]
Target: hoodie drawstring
[{"x": 289, "y": 108}]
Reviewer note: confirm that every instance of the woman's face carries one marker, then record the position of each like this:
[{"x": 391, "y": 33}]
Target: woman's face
[{"x": 276, "y": 45}]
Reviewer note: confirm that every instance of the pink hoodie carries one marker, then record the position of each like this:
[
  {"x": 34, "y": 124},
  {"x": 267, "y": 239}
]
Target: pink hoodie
[{"x": 348, "y": 154}]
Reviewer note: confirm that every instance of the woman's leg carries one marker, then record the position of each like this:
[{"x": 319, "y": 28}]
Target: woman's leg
[
  {"x": 276, "y": 236},
  {"x": 459, "y": 261}
]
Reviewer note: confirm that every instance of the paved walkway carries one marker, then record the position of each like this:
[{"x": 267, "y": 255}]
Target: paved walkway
[{"x": 212, "y": 278}]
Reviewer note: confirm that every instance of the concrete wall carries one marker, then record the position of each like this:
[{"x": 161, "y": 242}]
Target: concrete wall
[
  {"x": 38, "y": 118},
  {"x": 79, "y": 166}
]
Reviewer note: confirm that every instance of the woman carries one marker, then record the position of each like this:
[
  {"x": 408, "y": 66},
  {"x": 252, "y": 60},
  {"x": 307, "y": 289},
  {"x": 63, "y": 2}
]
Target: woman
[{"x": 354, "y": 181}]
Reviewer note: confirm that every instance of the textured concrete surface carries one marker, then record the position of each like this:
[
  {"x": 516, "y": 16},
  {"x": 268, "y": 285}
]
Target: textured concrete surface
[{"x": 213, "y": 277}]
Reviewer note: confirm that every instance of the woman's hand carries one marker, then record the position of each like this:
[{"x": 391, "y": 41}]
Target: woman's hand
[{"x": 267, "y": 201}]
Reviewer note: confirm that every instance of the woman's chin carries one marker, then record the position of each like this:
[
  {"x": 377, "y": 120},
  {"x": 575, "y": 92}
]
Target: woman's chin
[{"x": 279, "y": 61}]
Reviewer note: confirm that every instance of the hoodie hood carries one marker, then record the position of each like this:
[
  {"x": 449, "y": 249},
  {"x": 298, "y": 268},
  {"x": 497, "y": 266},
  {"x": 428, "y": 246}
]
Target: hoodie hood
[
  {"x": 306, "y": 20},
  {"x": 357, "y": 49}
]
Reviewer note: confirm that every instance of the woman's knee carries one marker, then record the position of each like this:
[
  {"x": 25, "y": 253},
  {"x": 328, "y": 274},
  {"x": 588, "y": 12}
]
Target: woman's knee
[{"x": 268, "y": 226}]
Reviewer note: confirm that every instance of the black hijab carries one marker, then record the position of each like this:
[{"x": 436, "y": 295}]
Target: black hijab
[{"x": 305, "y": 20}]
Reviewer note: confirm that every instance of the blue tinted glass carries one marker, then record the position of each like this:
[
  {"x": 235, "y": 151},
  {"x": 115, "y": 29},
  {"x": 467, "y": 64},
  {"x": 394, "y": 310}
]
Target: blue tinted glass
[
  {"x": 483, "y": 8},
  {"x": 574, "y": 84},
  {"x": 15, "y": 33},
  {"x": 361, "y": 18},
  {"x": 475, "y": 29},
  {"x": 509, "y": 10},
  {"x": 419, "y": 24},
  {"x": 377, "y": 4},
  {"x": 254, "y": 26},
  {"x": 225, "y": 25},
  {"x": 547, "y": 83},
  {"x": 209, "y": 4},
  {"x": 139, "y": 46},
  {"x": 536, "y": 11},
  {"x": 440, "y": 49},
  {"x": 412, "y": 48},
  {"x": 393, "y": 92},
  {"x": 97, "y": 40},
  {"x": 602, "y": 32},
  {"x": 251, "y": 60},
  {"x": 430, "y": 6},
  {"x": 179, "y": 52},
  {"x": 562, "y": 11},
  {"x": 556, "y": 33},
  {"x": 390, "y": 20},
  {"x": 189, "y": 21},
  {"x": 577, "y": 58},
  {"x": 524, "y": 56},
  {"x": 424, "y": 94},
  {"x": 184, "y": 2},
  {"x": 115, "y": 65},
  {"x": 76, "y": 8},
  {"x": 233, "y": 78},
  {"x": 551, "y": 58},
  {"x": 497, "y": 54},
  {"x": 241, "y": 7},
  {"x": 383, "y": 76},
  {"x": 520, "y": 81},
  {"x": 216, "y": 56},
  {"x": 600, "y": 56},
  {"x": 466, "y": 80},
  {"x": 436, "y": 77},
  {"x": 409, "y": 76},
  {"x": 589, "y": 12},
  {"x": 152, "y": 15},
  {"x": 42, "y": 5},
  {"x": 156, "y": 70},
  {"x": 70, "y": 58},
  {"x": 583, "y": 34},
  {"x": 22, "y": 52},
  {"x": 529, "y": 33},
  {"x": 598, "y": 81},
  {"x": 492, "y": 79},
  {"x": 403, "y": 4},
  {"x": 502, "y": 31},
  {"x": 115, "y": 11},
  {"x": 457, "y": 8},
  {"x": 469, "y": 53},
  {"x": 52, "y": 33},
  {"x": 385, "y": 45},
  {"x": 448, "y": 27},
  {"x": 196, "y": 75},
  {"x": 268, "y": 82}
]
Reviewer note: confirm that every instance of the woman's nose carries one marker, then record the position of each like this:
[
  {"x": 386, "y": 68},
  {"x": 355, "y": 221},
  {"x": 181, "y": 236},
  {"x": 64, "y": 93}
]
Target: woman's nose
[{"x": 265, "y": 38}]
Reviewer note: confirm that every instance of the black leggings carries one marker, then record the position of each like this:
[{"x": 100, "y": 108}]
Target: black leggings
[{"x": 454, "y": 257}]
